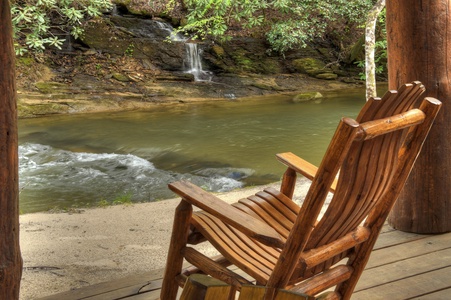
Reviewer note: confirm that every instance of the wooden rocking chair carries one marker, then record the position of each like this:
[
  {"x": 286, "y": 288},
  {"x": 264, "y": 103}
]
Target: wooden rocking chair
[{"x": 272, "y": 242}]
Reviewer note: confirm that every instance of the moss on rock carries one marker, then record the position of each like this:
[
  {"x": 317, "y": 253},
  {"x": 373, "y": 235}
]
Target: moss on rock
[
  {"x": 218, "y": 51},
  {"x": 314, "y": 68},
  {"x": 308, "y": 65},
  {"x": 50, "y": 87},
  {"x": 120, "y": 77},
  {"x": 309, "y": 96},
  {"x": 327, "y": 76}
]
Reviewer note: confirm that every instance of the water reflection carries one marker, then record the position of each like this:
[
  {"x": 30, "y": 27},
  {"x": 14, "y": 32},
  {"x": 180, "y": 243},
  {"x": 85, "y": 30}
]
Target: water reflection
[{"x": 81, "y": 160}]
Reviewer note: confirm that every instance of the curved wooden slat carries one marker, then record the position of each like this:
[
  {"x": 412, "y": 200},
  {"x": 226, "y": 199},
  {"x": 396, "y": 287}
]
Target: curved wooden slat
[
  {"x": 270, "y": 209},
  {"x": 284, "y": 199},
  {"x": 268, "y": 252},
  {"x": 268, "y": 218},
  {"x": 280, "y": 202},
  {"x": 239, "y": 205},
  {"x": 223, "y": 239}
]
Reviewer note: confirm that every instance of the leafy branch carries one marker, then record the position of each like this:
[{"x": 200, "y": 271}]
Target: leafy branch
[
  {"x": 39, "y": 24},
  {"x": 287, "y": 24}
]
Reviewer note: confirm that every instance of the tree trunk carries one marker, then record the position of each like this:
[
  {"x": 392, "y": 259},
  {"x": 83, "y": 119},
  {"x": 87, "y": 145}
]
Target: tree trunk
[
  {"x": 10, "y": 258},
  {"x": 370, "y": 47},
  {"x": 419, "y": 43}
]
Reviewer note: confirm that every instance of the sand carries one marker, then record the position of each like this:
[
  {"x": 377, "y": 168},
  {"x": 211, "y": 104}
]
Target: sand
[{"x": 63, "y": 251}]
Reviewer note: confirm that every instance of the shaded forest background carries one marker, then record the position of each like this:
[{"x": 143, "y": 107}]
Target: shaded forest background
[{"x": 244, "y": 43}]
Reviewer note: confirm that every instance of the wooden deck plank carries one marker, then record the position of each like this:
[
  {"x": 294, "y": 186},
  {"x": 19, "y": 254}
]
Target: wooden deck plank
[
  {"x": 394, "y": 237},
  {"x": 408, "y": 288},
  {"x": 137, "y": 290},
  {"x": 130, "y": 283},
  {"x": 443, "y": 294},
  {"x": 154, "y": 295},
  {"x": 412, "y": 248},
  {"x": 405, "y": 268}
]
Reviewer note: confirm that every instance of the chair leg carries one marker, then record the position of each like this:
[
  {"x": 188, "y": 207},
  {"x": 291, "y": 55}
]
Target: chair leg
[
  {"x": 203, "y": 287},
  {"x": 178, "y": 242},
  {"x": 358, "y": 263},
  {"x": 288, "y": 183}
]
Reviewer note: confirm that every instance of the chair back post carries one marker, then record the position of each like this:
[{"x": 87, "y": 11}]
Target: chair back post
[{"x": 345, "y": 134}]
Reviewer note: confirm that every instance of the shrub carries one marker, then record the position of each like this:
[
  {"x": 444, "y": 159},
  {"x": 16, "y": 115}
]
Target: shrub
[{"x": 39, "y": 24}]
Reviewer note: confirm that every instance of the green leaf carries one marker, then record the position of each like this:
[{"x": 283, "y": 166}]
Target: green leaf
[{"x": 54, "y": 41}]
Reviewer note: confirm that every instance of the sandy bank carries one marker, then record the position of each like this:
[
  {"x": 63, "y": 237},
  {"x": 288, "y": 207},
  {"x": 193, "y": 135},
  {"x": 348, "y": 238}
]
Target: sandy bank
[{"x": 63, "y": 251}]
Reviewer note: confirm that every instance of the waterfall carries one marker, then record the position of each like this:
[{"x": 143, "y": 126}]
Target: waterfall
[
  {"x": 173, "y": 36},
  {"x": 194, "y": 63},
  {"x": 193, "y": 60},
  {"x": 114, "y": 10}
]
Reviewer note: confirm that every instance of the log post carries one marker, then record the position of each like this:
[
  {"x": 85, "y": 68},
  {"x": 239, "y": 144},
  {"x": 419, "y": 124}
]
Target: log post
[
  {"x": 419, "y": 42},
  {"x": 10, "y": 257},
  {"x": 203, "y": 287}
]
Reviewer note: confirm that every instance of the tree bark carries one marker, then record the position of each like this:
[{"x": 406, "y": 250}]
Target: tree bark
[
  {"x": 370, "y": 47},
  {"x": 10, "y": 257},
  {"x": 419, "y": 42}
]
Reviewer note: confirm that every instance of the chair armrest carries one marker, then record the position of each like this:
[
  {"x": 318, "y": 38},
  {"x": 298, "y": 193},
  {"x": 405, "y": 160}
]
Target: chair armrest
[
  {"x": 316, "y": 256},
  {"x": 245, "y": 223},
  {"x": 301, "y": 166}
]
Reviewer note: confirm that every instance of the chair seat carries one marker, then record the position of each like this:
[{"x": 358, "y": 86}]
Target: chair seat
[{"x": 270, "y": 206}]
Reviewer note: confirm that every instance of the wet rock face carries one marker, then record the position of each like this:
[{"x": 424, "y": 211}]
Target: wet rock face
[
  {"x": 154, "y": 40},
  {"x": 314, "y": 68},
  {"x": 242, "y": 55},
  {"x": 142, "y": 28},
  {"x": 135, "y": 37}
]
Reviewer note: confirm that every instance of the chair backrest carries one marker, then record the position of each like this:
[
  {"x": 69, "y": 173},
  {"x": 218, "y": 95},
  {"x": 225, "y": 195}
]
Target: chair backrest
[
  {"x": 372, "y": 158},
  {"x": 368, "y": 169}
]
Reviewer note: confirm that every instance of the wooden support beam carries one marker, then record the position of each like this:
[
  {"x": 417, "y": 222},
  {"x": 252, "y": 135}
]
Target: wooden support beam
[
  {"x": 419, "y": 42},
  {"x": 10, "y": 257}
]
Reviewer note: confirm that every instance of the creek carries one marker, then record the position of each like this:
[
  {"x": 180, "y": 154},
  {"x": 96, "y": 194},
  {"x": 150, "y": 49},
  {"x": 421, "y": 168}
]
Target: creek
[{"x": 80, "y": 160}]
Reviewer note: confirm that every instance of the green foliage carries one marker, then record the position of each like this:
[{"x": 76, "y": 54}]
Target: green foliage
[
  {"x": 103, "y": 203},
  {"x": 380, "y": 59},
  {"x": 42, "y": 23},
  {"x": 123, "y": 199},
  {"x": 287, "y": 24},
  {"x": 130, "y": 50}
]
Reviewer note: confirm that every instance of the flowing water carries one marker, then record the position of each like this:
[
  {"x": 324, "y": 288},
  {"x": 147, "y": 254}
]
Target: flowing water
[
  {"x": 79, "y": 160},
  {"x": 193, "y": 54},
  {"x": 194, "y": 63},
  {"x": 173, "y": 36}
]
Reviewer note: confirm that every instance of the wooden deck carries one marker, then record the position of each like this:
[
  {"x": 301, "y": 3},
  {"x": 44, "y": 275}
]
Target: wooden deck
[{"x": 402, "y": 266}]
